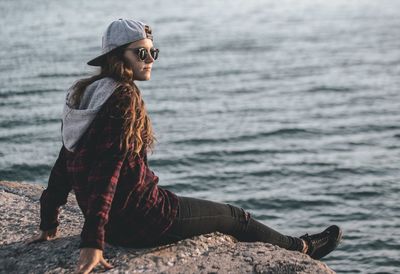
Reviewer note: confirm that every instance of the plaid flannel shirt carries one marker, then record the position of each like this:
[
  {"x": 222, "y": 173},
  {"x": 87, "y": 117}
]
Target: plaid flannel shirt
[{"x": 116, "y": 191}]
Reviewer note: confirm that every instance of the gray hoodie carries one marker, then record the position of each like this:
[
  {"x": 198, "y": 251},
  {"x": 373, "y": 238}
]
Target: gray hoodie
[{"x": 75, "y": 122}]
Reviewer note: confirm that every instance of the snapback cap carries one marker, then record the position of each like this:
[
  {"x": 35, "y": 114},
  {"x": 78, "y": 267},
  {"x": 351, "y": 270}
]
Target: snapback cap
[{"x": 119, "y": 33}]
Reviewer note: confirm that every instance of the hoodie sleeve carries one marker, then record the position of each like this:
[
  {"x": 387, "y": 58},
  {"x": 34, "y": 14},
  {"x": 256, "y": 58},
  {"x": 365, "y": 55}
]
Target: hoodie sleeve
[
  {"x": 55, "y": 195},
  {"x": 102, "y": 179}
]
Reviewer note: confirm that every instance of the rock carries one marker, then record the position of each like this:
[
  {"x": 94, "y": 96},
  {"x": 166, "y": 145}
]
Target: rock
[{"x": 207, "y": 253}]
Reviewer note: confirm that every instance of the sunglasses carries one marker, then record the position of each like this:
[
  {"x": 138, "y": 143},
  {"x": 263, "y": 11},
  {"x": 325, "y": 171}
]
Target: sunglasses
[{"x": 143, "y": 53}]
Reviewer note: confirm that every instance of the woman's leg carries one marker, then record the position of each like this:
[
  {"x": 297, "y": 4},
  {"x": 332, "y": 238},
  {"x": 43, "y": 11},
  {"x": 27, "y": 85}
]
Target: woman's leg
[{"x": 199, "y": 216}]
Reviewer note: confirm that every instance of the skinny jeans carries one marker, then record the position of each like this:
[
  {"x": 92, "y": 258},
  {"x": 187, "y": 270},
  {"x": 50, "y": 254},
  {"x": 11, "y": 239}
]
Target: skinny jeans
[{"x": 199, "y": 216}]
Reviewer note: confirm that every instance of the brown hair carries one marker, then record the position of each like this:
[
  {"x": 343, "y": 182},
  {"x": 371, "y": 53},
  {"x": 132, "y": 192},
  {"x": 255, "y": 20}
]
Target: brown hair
[{"x": 137, "y": 126}]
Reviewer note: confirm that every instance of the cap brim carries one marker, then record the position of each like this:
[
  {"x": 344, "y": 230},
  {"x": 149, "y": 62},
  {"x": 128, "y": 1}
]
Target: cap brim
[
  {"x": 101, "y": 59},
  {"x": 98, "y": 61}
]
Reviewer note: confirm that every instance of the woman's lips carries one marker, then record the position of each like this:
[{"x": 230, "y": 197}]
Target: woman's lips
[{"x": 147, "y": 68}]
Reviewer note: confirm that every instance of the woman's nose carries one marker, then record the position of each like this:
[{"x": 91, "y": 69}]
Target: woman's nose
[{"x": 149, "y": 59}]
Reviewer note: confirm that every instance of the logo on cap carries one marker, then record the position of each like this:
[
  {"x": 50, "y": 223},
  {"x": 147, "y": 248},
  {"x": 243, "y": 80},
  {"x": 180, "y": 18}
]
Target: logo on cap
[{"x": 148, "y": 31}]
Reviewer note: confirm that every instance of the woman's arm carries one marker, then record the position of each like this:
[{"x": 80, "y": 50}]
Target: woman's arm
[
  {"x": 102, "y": 179},
  {"x": 55, "y": 195}
]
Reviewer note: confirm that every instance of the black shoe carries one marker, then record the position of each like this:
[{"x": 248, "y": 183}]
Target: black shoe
[{"x": 321, "y": 244}]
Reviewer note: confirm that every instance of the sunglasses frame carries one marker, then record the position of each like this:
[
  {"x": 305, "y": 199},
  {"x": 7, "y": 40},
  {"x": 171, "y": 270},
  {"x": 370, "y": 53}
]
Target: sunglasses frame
[{"x": 139, "y": 49}]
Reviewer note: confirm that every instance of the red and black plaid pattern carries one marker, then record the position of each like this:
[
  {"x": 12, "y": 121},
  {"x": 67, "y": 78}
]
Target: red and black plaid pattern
[{"x": 116, "y": 191}]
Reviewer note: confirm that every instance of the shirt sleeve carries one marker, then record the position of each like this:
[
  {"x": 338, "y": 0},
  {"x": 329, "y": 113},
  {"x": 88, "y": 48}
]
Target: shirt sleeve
[
  {"x": 102, "y": 180},
  {"x": 55, "y": 195}
]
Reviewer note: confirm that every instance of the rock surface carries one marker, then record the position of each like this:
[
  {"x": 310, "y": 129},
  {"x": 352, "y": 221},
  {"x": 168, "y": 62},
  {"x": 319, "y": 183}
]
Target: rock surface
[{"x": 208, "y": 253}]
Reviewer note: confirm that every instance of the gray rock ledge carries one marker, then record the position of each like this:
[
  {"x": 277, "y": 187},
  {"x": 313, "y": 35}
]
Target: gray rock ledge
[{"x": 208, "y": 253}]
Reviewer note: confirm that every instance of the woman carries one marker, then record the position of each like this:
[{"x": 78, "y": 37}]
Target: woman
[{"x": 106, "y": 133}]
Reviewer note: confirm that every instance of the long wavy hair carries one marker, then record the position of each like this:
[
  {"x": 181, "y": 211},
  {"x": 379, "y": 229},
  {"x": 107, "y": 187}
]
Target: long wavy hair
[{"x": 137, "y": 128}]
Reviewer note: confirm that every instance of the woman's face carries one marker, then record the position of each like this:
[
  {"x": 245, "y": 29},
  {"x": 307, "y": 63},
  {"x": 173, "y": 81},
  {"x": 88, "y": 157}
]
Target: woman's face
[{"x": 141, "y": 69}]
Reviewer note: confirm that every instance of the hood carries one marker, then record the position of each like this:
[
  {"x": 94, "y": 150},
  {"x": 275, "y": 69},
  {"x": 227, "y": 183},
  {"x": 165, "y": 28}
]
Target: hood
[{"x": 75, "y": 121}]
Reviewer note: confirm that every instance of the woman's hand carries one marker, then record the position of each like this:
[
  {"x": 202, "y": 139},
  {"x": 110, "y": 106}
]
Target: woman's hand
[
  {"x": 43, "y": 236},
  {"x": 89, "y": 258}
]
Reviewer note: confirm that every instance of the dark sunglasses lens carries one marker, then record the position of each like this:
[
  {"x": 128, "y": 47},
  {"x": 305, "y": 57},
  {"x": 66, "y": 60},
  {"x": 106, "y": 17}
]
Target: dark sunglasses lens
[
  {"x": 142, "y": 54},
  {"x": 154, "y": 53}
]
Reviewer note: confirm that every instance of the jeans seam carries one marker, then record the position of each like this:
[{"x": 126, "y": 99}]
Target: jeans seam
[{"x": 205, "y": 216}]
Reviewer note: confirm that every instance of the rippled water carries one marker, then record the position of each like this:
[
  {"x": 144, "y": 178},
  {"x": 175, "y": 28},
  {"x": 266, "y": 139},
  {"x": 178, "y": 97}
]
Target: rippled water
[{"x": 288, "y": 109}]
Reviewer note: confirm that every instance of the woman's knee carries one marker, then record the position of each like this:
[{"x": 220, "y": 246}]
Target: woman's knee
[
  {"x": 191, "y": 207},
  {"x": 238, "y": 212},
  {"x": 198, "y": 216},
  {"x": 240, "y": 222}
]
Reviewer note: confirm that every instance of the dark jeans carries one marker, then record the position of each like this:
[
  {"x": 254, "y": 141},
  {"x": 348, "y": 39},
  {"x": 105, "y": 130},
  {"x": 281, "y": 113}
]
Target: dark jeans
[{"x": 198, "y": 216}]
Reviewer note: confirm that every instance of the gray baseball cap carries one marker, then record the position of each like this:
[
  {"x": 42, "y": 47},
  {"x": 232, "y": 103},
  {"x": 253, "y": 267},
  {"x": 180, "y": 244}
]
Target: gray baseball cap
[{"x": 119, "y": 33}]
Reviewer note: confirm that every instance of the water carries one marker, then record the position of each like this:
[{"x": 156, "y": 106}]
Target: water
[{"x": 288, "y": 109}]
